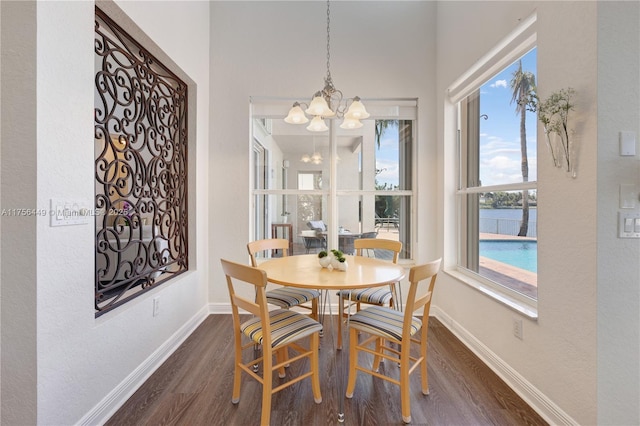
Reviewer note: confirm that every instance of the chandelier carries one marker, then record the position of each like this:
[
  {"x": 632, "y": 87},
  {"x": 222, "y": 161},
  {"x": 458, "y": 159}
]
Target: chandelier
[
  {"x": 352, "y": 111},
  {"x": 315, "y": 158}
]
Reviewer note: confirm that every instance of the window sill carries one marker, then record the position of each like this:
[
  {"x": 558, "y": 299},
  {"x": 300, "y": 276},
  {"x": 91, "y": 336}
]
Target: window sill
[{"x": 512, "y": 300}]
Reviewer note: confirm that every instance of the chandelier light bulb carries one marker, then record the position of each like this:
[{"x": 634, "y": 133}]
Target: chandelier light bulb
[
  {"x": 317, "y": 125},
  {"x": 305, "y": 158}
]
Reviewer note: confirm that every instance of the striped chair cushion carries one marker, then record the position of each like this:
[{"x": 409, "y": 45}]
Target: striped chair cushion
[
  {"x": 286, "y": 326},
  {"x": 374, "y": 296},
  {"x": 286, "y": 297},
  {"x": 382, "y": 321}
]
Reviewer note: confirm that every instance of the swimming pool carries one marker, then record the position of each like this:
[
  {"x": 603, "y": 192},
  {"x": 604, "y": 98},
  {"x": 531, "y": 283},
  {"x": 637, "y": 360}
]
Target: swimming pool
[{"x": 521, "y": 254}]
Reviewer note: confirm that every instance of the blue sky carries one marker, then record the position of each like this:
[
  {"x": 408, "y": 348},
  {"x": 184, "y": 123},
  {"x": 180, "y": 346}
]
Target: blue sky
[
  {"x": 387, "y": 158},
  {"x": 500, "y": 158}
]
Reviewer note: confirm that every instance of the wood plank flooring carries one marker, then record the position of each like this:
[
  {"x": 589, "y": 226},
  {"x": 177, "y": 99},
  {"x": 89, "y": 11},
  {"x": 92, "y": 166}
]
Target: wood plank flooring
[{"x": 193, "y": 387}]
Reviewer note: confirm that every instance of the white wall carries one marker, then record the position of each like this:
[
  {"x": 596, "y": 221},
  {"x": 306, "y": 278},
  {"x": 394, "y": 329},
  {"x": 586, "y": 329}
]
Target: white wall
[
  {"x": 618, "y": 260},
  {"x": 558, "y": 354},
  {"x": 378, "y": 50},
  {"x": 81, "y": 360}
]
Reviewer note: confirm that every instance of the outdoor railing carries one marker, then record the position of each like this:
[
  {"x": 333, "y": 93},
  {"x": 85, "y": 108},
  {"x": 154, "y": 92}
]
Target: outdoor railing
[{"x": 506, "y": 227}]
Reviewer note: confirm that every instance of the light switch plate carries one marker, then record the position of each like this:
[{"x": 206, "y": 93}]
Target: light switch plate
[
  {"x": 627, "y": 143},
  {"x": 69, "y": 212},
  {"x": 628, "y": 196},
  {"x": 628, "y": 219}
]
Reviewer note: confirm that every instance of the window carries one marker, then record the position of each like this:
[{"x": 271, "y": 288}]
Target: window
[
  {"x": 356, "y": 184},
  {"x": 497, "y": 193},
  {"x": 140, "y": 169}
]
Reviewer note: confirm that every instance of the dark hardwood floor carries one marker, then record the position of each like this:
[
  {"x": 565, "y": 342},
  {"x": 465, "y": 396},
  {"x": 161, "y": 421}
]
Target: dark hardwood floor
[{"x": 193, "y": 387}]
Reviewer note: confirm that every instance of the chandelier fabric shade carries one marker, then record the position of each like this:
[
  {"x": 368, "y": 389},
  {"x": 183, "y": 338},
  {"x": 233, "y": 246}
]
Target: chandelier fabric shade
[{"x": 328, "y": 102}]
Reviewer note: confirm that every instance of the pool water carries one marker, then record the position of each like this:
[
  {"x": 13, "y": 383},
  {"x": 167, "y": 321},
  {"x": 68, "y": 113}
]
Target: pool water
[{"x": 521, "y": 254}]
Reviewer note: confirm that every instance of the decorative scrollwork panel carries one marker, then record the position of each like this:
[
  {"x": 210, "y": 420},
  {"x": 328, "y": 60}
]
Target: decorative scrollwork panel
[{"x": 140, "y": 168}]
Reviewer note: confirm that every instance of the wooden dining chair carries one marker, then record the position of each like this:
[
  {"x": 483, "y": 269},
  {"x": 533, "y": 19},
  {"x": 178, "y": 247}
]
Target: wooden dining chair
[
  {"x": 381, "y": 296},
  {"x": 284, "y": 297},
  {"x": 276, "y": 331},
  {"x": 383, "y": 325}
]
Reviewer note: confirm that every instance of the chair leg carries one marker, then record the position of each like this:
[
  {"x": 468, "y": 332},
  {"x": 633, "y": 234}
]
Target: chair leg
[
  {"x": 396, "y": 297},
  {"x": 267, "y": 380},
  {"x": 423, "y": 367},
  {"x": 340, "y": 316},
  {"x": 281, "y": 356},
  {"x": 314, "y": 309},
  {"x": 315, "y": 368},
  {"x": 237, "y": 376},
  {"x": 405, "y": 394},
  {"x": 256, "y": 355},
  {"x": 353, "y": 361},
  {"x": 378, "y": 358}
]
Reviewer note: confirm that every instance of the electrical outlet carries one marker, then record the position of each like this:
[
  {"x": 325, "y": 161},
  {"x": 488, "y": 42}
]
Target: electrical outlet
[
  {"x": 156, "y": 306},
  {"x": 517, "y": 328}
]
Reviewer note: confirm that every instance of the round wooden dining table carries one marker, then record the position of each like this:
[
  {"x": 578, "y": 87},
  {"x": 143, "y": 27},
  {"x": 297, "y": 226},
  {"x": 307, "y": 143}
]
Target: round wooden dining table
[{"x": 304, "y": 271}]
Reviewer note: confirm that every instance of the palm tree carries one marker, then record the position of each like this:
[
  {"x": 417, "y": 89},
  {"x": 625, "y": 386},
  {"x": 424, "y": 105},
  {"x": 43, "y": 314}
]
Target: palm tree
[
  {"x": 381, "y": 127},
  {"x": 523, "y": 84}
]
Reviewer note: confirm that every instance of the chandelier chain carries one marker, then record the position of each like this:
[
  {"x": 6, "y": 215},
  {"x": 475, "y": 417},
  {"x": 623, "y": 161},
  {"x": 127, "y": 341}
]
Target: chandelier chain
[
  {"x": 327, "y": 103},
  {"x": 329, "y": 80}
]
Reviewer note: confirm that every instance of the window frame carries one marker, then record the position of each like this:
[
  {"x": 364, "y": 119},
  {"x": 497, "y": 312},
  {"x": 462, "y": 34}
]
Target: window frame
[
  {"x": 380, "y": 109},
  {"x": 515, "y": 45}
]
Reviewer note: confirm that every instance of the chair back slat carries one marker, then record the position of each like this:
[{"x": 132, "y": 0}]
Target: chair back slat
[
  {"x": 259, "y": 246},
  {"x": 393, "y": 246},
  {"x": 421, "y": 301},
  {"x": 246, "y": 304}
]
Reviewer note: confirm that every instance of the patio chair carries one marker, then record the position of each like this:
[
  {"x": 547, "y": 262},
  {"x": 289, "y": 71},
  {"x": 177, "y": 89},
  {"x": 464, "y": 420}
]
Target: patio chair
[
  {"x": 314, "y": 242},
  {"x": 366, "y": 235},
  {"x": 317, "y": 225}
]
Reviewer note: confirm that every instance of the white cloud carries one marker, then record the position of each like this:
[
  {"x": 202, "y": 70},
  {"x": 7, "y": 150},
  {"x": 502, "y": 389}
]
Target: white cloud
[
  {"x": 389, "y": 171},
  {"x": 499, "y": 83},
  {"x": 503, "y": 163}
]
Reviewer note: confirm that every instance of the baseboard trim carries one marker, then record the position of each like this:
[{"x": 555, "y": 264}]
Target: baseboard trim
[
  {"x": 544, "y": 406},
  {"x": 99, "y": 414}
]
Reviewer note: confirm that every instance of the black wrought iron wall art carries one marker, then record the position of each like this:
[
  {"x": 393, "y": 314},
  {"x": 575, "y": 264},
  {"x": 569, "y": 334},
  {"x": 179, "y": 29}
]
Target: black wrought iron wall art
[{"x": 140, "y": 168}]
